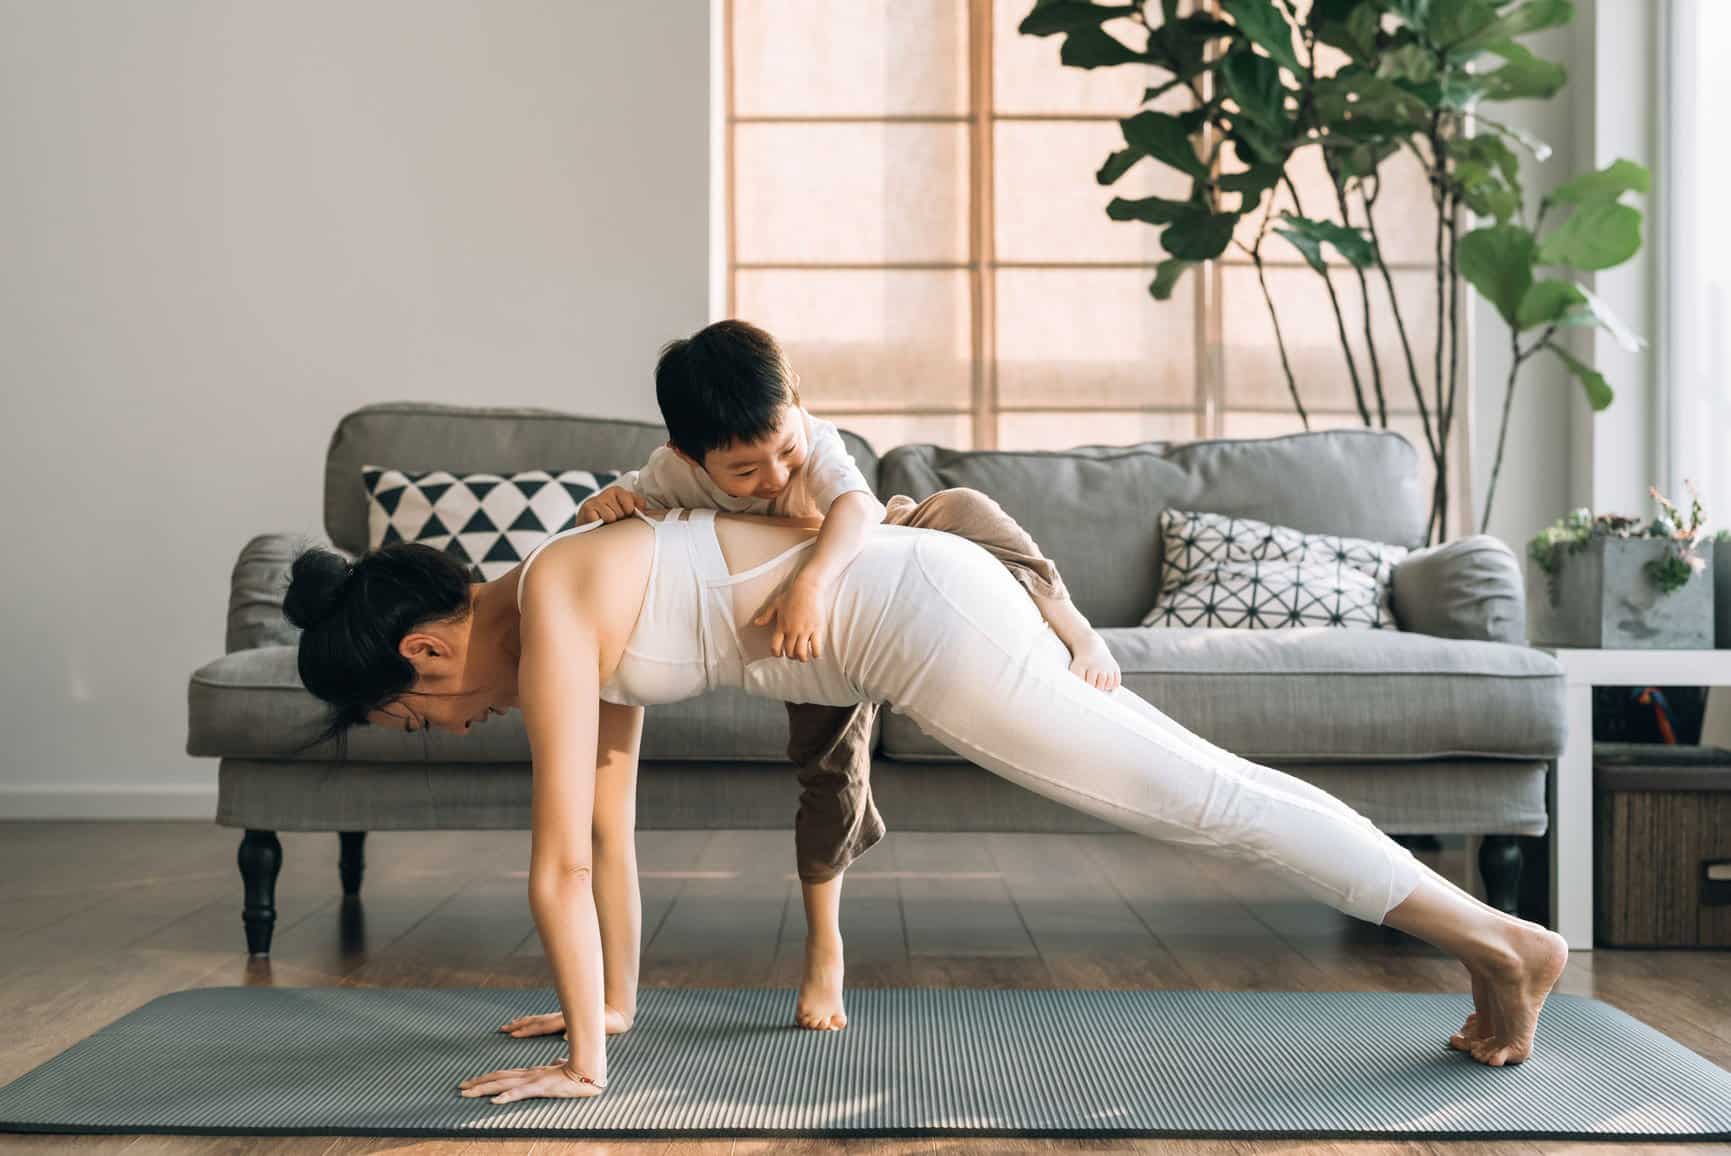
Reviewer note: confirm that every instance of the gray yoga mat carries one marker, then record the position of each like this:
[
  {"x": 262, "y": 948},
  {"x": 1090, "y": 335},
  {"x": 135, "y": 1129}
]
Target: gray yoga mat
[{"x": 913, "y": 1062}]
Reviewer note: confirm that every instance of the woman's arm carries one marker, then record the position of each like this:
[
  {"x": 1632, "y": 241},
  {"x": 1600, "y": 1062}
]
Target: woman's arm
[
  {"x": 618, "y": 898},
  {"x": 558, "y": 680}
]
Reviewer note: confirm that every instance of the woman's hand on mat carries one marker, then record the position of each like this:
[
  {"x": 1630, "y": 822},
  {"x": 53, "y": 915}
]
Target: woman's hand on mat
[
  {"x": 797, "y": 611},
  {"x": 553, "y": 1024},
  {"x": 557, "y": 1081}
]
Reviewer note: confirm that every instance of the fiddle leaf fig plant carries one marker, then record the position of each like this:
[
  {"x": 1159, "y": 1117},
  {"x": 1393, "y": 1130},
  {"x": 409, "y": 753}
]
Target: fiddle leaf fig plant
[{"x": 1243, "y": 92}]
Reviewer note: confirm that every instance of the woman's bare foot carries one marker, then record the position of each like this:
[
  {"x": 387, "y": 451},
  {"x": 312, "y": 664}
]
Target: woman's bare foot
[
  {"x": 819, "y": 1007},
  {"x": 1514, "y": 986},
  {"x": 1479, "y": 1022},
  {"x": 553, "y": 1024}
]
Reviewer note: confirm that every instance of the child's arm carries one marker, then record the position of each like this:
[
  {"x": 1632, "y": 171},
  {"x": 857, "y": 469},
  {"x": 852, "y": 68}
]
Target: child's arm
[{"x": 800, "y": 603}]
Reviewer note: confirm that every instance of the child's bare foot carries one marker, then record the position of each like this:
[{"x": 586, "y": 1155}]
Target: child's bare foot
[
  {"x": 819, "y": 1007},
  {"x": 553, "y": 1024},
  {"x": 1091, "y": 662},
  {"x": 1514, "y": 988}
]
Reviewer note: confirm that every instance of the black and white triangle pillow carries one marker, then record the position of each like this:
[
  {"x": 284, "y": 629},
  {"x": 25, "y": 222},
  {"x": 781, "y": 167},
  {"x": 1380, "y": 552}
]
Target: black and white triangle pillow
[
  {"x": 490, "y": 521},
  {"x": 1238, "y": 572}
]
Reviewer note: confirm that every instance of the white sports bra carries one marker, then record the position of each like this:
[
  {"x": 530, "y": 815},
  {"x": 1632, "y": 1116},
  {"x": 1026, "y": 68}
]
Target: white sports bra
[{"x": 685, "y": 640}]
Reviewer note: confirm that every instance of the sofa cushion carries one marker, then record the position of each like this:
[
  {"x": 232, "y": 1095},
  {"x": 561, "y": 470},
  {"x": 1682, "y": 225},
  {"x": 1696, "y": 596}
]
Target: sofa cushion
[
  {"x": 1469, "y": 588},
  {"x": 251, "y": 704},
  {"x": 488, "y": 521},
  {"x": 1096, "y": 510},
  {"x": 469, "y": 439},
  {"x": 1249, "y": 575},
  {"x": 1320, "y": 694}
]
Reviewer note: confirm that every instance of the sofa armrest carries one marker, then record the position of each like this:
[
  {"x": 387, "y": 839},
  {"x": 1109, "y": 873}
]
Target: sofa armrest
[
  {"x": 256, "y": 589},
  {"x": 1469, "y": 588}
]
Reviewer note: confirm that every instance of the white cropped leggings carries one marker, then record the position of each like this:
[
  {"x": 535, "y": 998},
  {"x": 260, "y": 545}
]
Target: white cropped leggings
[{"x": 933, "y": 625}]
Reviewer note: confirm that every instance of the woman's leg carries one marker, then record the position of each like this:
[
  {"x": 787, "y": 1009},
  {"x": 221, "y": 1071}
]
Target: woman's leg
[
  {"x": 976, "y": 516},
  {"x": 991, "y": 682}
]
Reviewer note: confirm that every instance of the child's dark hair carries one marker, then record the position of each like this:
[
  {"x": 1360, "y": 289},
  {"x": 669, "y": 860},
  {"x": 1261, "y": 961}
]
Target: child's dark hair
[
  {"x": 352, "y": 617},
  {"x": 724, "y": 384}
]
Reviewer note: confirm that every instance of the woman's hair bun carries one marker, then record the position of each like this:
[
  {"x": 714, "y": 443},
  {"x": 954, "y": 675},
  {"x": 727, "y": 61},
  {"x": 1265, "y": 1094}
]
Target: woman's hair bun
[{"x": 317, "y": 582}]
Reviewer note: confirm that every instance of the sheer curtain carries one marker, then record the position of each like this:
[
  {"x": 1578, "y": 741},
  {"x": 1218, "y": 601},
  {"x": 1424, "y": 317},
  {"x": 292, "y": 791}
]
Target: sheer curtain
[{"x": 1695, "y": 177}]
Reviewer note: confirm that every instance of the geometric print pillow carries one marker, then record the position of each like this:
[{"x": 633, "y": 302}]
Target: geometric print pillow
[
  {"x": 1238, "y": 572},
  {"x": 489, "y": 521}
]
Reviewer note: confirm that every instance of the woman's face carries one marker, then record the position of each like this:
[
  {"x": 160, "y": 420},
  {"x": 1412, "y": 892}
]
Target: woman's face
[{"x": 460, "y": 681}]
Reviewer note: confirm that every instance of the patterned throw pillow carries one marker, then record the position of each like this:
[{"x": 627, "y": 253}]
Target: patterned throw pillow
[
  {"x": 1236, "y": 572},
  {"x": 490, "y": 521}
]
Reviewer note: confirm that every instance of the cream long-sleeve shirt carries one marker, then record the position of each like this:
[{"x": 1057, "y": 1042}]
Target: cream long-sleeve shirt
[{"x": 669, "y": 480}]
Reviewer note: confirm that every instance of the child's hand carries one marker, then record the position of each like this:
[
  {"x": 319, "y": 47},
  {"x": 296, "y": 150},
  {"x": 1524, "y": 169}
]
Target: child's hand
[
  {"x": 797, "y": 610},
  {"x": 610, "y": 505}
]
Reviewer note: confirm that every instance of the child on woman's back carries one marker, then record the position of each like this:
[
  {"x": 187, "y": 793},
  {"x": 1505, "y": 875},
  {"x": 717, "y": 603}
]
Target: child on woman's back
[{"x": 739, "y": 440}]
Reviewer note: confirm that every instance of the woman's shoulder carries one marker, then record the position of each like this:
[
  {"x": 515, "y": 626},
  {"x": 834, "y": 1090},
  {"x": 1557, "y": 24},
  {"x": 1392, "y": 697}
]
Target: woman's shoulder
[{"x": 569, "y": 561}]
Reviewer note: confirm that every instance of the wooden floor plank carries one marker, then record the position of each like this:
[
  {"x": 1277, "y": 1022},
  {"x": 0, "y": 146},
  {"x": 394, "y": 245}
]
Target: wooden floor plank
[{"x": 722, "y": 908}]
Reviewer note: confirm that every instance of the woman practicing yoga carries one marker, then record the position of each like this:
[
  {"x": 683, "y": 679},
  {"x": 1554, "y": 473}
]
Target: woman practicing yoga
[{"x": 606, "y": 618}]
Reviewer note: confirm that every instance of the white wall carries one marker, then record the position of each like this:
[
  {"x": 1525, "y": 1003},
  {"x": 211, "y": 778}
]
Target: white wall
[{"x": 224, "y": 225}]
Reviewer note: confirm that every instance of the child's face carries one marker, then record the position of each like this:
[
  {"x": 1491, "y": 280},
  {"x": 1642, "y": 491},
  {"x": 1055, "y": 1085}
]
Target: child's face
[{"x": 761, "y": 469}]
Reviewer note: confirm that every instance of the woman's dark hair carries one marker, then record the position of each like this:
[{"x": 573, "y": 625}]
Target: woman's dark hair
[
  {"x": 353, "y": 616},
  {"x": 724, "y": 384}
]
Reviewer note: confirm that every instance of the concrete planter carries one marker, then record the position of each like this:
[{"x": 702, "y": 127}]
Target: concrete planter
[{"x": 1603, "y": 598}]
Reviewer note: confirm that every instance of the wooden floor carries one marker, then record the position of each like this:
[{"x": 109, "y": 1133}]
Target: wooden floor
[{"x": 99, "y": 918}]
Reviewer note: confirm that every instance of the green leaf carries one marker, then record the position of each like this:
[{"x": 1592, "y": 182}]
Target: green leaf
[
  {"x": 1263, "y": 23},
  {"x": 1164, "y": 137},
  {"x": 1487, "y": 173},
  {"x": 1363, "y": 160},
  {"x": 1154, "y": 210},
  {"x": 1608, "y": 183},
  {"x": 1202, "y": 236},
  {"x": 1069, "y": 15},
  {"x": 1597, "y": 235},
  {"x": 1413, "y": 13},
  {"x": 1523, "y": 77},
  {"x": 1253, "y": 83},
  {"x": 1498, "y": 261},
  {"x": 1166, "y": 276},
  {"x": 1117, "y": 165},
  {"x": 1361, "y": 104},
  {"x": 1518, "y": 21},
  {"x": 1349, "y": 25},
  {"x": 1449, "y": 22},
  {"x": 1309, "y": 246},
  {"x": 1095, "y": 48},
  {"x": 1252, "y": 183},
  {"x": 1409, "y": 62},
  {"x": 1181, "y": 46},
  {"x": 1547, "y": 301},
  {"x": 1351, "y": 244},
  {"x": 1599, "y": 394}
]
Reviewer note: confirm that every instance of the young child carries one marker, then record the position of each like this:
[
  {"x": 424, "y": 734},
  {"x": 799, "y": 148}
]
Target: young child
[{"x": 741, "y": 441}]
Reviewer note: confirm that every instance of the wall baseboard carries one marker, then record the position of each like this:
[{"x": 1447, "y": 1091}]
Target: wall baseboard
[{"x": 109, "y": 802}]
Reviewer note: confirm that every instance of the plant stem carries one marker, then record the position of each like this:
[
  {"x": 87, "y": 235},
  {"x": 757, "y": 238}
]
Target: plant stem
[
  {"x": 1515, "y": 360},
  {"x": 1363, "y": 292},
  {"x": 1279, "y": 341},
  {"x": 1400, "y": 327},
  {"x": 1339, "y": 317}
]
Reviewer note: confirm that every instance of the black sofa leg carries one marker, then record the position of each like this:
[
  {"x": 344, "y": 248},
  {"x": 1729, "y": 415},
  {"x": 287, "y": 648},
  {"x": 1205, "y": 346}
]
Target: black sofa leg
[
  {"x": 1500, "y": 867},
  {"x": 352, "y": 862},
  {"x": 260, "y": 859}
]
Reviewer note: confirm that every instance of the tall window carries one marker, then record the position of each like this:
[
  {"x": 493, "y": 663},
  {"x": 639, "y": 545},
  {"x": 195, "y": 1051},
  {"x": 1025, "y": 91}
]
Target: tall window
[{"x": 913, "y": 211}]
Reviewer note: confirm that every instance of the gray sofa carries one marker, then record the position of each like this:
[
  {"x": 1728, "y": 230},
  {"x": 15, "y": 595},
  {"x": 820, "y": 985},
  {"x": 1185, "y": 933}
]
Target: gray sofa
[{"x": 1447, "y": 725}]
